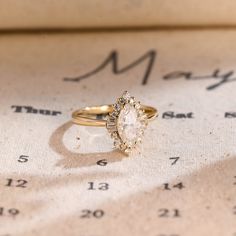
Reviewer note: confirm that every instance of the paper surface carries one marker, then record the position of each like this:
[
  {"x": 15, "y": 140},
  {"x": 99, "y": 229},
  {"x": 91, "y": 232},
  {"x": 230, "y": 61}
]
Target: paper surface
[
  {"x": 62, "y": 179},
  {"x": 28, "y": 14}
]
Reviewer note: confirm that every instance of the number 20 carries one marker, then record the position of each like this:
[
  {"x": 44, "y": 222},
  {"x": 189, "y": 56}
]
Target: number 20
[{"x": 96, "y": 214}]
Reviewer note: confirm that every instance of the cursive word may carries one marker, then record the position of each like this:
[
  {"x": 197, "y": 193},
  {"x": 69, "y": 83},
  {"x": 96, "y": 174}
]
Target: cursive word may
[
  {"x": 220, "y": 78},
  {"x": 112, "y": 59}
]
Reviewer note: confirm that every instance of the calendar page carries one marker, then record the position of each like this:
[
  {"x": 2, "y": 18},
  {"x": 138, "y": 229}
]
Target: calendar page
[{"x": 58, "y": 178}]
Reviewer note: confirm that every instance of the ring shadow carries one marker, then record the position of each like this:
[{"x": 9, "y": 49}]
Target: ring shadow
[{"x": 72, "y": 159}]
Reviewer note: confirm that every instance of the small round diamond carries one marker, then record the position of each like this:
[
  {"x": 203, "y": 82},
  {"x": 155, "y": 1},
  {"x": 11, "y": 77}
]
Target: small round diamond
[
  {"x": 114, "y": 114},
  {"x": 117, "y": 143},
  {"x": 117, "y": 106},
  {"x": 114, "y": 135},
  {"x": 137, "y": 105},
  {"x": 122, "y": 101},
  {"x": 126, "y": 96}
]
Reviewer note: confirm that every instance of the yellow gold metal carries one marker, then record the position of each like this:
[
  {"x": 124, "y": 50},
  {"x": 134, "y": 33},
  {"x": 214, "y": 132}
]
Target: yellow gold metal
[{"x": 96, "y": 115}]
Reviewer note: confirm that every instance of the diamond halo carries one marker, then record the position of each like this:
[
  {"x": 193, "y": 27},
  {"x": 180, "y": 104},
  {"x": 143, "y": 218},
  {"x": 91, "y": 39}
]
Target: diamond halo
[{"x": 126, "y": 123}]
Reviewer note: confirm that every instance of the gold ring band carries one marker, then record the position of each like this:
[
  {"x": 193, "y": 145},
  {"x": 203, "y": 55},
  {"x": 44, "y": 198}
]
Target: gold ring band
[
  {"x": 125, "y": 120},
  {"x": 97, "y": 115}
]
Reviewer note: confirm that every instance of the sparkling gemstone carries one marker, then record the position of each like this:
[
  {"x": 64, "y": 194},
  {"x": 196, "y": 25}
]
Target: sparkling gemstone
[
  {"x": 117, "y": 143},
  {"x": 128, "y": 124},
  {"x": 126, "y": 96},
  {"x": 111, "y": 124},
  {"x": 117, "y": 107}
]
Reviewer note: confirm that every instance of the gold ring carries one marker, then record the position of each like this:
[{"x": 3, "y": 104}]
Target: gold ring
[{"x": 125, "y": 120}]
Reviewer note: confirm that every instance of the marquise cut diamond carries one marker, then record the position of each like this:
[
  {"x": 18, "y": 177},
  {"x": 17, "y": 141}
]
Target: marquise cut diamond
[{"x": 129, "y": 125}]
